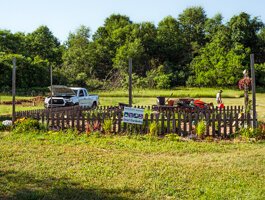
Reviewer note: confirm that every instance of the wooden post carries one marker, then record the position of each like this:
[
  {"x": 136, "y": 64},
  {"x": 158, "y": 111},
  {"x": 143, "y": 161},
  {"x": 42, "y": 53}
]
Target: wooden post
[
  {"x": 253, "y": 91},
  {"x": 51, "y": 86},
  {"x": 14, "y": 91},
  {"x": 130, "y": 82}
]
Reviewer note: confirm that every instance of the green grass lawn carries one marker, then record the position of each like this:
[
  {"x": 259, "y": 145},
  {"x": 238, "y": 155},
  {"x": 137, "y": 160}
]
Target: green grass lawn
[
  {"x": 65, "y": 166},
  {"x": 177, "y": 92}
]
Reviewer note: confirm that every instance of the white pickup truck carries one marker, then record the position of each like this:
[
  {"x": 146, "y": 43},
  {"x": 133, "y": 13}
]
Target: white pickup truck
[{"x": 70, "y": 96}]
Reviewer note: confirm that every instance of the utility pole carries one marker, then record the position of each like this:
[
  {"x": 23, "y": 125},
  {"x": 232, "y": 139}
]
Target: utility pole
[
  {"x": 130, "y": 82},
  {"x": 14, "y": 91},
  {"x": 253, "y": 91}
]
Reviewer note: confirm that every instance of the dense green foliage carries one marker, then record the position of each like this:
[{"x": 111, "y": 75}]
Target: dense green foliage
[{"x": 191, "y": 49}]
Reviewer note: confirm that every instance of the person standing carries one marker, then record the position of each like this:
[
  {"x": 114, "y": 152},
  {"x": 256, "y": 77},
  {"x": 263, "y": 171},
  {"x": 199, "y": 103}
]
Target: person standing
[{"x": 219, "y": 97}]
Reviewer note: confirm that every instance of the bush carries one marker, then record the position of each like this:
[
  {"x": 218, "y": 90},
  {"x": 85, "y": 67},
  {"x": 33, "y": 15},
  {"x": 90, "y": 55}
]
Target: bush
[
  {"x": 261, "y": 131},
  {"x": 25, "y": 125},
  {"x": 258, "y": 133},
  {"x": 94, "y": 84},
  {"x": 107, "y": 125},
  {"x": 200, "y": 128},
  {"x": 154, "y": 129},
  {"x": 2, "y": 126}
]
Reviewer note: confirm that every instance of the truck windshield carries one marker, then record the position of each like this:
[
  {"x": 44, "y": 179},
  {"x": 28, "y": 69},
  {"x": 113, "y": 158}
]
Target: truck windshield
[{"x": 75, "y": 91}]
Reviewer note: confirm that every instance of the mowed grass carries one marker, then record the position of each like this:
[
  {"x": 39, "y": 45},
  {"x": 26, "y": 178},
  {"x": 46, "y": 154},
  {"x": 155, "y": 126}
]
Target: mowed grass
[
  {"x": 177, "y": 92},
  {"x": 65, "y": 166},
  {"x": 148, "y": 97}
]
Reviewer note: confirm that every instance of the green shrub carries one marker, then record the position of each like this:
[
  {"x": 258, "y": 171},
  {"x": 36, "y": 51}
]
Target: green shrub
[
  {"x": 258, "y": 133},
  {"x": 2, "y": 126},
  {"x": 25, "y": 125},
  {"x": 107, "y": 125},
  {"x": 247, "y": 133},
  {"x": 200, "y": 128},
  {"x": 94, "y": 84},
  {"x": 261, "y": 130},
  {"x": 154, "y": 129}
]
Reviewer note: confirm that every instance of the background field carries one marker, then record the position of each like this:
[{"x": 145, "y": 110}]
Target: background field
[{"x": 148, "y": 97}]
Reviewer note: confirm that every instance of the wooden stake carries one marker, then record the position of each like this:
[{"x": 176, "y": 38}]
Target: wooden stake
[
  {"x": 253, "y": 91},
  {"x": 14, "y": 91},
  {"x": 130, "y": 82}
]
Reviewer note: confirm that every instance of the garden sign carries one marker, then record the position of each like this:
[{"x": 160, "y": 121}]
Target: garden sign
[{"x": 133, "y": 115}]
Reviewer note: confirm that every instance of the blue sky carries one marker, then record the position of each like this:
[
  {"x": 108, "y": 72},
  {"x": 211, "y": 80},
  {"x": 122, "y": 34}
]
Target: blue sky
[{"x": 64, "y": 16}]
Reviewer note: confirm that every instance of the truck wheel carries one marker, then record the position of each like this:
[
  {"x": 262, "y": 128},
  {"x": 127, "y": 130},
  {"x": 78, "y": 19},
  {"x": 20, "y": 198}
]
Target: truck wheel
[{"x": 94, "y": 105}]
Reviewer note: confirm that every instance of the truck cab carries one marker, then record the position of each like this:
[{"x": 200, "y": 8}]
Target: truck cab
[
  {"x": 63, "y": 96},
  {"x": 84, "y": 99}
]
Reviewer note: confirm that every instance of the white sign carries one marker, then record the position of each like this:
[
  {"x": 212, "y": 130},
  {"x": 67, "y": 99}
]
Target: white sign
[{"x": 133, "y": 115}]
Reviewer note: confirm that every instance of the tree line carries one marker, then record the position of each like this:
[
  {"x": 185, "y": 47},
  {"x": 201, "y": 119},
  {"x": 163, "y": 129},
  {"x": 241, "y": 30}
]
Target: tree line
[{"x": 190, "y": 50}]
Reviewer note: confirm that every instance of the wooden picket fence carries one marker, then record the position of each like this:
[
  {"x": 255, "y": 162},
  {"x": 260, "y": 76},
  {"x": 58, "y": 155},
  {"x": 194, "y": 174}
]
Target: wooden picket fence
[{"x": 219, "y": 122}]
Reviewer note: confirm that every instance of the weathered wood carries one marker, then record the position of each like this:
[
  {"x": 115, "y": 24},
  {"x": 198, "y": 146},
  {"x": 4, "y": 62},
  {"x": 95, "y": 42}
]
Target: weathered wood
[
  {"x": 146, "y": 129},
  {"x": 171, "y": 120},
  {"x": 114, "y": 122},
  {"x": 57, "y": 120},
  {"x": 173, "y": 123},
  {"x": 78, "y": 121},
  {"x": 213, "y": 125},
  {"x": 219, "y": 124},
  {"x": 179, "y": 123},
  {"x": 190, "y": 123},
  {"x": 162, "y": 123},
  {"x": 52, "y": 119},
  {"x": 72, "y": 120},
  {"x": 236, "y": 122},
  {"x": 253, "y": 84},
  {"x": 119, "y": 122},
  {"x": 185, "y": 124},
  {"x": 168, "y": 123},
  {"x": 248, "y": 119},
  {"x": 230, "y": 123},
  {"x": 225, "y": 123},
  {"x": 207, "y": 124}
]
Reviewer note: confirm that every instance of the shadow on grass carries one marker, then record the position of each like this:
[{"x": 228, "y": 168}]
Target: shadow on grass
[{"x": 16, "y": 185}]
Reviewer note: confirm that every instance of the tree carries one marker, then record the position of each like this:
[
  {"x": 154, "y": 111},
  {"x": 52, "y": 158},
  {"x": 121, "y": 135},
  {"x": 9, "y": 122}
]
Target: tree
[
  {"x": 11, "y": 43},
  {"x": 44, "y": 44},
  {"x": 213, "y": 25},
  {"x": 171, "y": 49},
  {"x": 169, "y": 40},
  {"x": 132, "y": 50},
  {"x": 76, "y": 58},
  {"x": 106, "y": 41},
  {"x": 192, "y": 22},
  {"x": 219, "y": 63},
  {"x": 30, "y": 73},
  {"x": 244, "y": 30},
  {"x": 260, "y": 55}
]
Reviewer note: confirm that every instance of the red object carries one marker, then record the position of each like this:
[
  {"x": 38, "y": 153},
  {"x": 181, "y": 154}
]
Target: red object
[
  {"x": 199, "y": 103},
  {"x": 170, "y": 102},
  {"x": 221, "y": 105}
]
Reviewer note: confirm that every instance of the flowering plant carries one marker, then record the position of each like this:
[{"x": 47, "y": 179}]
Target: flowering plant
[
  {"x": 244, "y": 82},
  {"x": 5, "y": 125}
]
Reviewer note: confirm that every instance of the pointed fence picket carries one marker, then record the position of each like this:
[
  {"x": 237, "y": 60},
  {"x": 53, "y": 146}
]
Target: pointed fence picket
[{"x": 218, "y": 122}]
